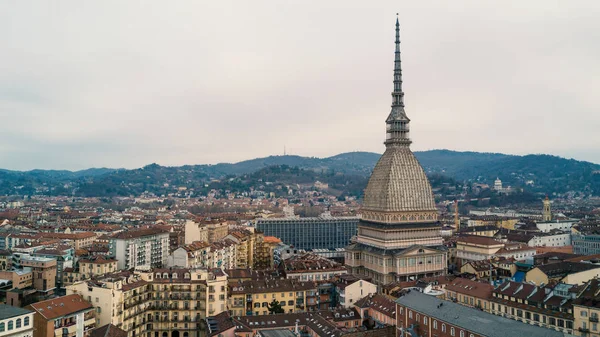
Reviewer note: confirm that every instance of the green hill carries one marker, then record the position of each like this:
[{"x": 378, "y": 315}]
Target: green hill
[{"x": 346, "y": 171}]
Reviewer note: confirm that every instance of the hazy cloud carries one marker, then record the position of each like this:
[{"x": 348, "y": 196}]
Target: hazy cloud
[{"x": 127, "y": 83}]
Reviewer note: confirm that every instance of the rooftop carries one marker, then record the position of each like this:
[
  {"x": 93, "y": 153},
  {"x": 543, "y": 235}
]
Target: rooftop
[
  {"x": 470, "y": 319},
  {"x": 8, "y": 311},
  {"x": 61, "y": 306}
]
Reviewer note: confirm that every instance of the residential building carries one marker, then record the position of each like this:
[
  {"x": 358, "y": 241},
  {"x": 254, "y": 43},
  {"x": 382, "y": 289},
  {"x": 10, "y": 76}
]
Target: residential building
[
  {"x": 108, "y": 330},
  {"x": 265, "y": 252},
  {"x": 19, "y": 278},
  {"x": 586, "y": 310},
  {"x": 554, "y": 238},
  {"x": 90, "y": 267},
  {"x": 484, "y": 230},
  {"x": 560, "y": 225},
  {"x": 322, "y": 232},
  {"x": 253, "y": 297},
  {"x": 349, "y": 289},
  {"x": 246, "y": 242},
  {"x": 585, "y": 239},
  {"x": 470, "y": 293},
  {"x": 43, "y": 272},
  {"x": 311, "y": 267},
  {"x": 565, "y": 272},
  {"x": 192, "y": 255},
  {"x": 75, "y": 240},
  {"x": 398, "y": 236},
  {"x": 547, "y": 307},
  {"x": 157, "y": 301},
  {"x": 476, "y": 248},
  {"x": 419, "y": 314},
  {"x": 338, "y": 323},
  {"x": 205, "y": 230},
  {"x": 5, "y": 260},
  {"x": 64, "y": 256},
  {"x": 140, "y": 248},
  {"x": 67, "y": 316},
  {"x": 482, "y": 269},
  {"x": 377, "y": 307},
  {"x": 15, "y": 321}
]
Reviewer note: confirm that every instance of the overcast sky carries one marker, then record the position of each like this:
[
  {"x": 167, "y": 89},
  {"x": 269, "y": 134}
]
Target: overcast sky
[{"x": 128, "y": 83}]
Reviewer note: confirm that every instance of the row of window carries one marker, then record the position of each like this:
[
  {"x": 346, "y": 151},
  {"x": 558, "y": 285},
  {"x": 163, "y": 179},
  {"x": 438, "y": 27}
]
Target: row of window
[
  {"x": 266, "y": 304},
  {"x": 435, "y": 324},
  {"x": 17, "y": 324}
]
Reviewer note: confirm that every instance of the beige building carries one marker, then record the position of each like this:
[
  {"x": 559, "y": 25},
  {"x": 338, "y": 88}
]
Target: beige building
[
  {"x": 351, "y": 289},
  {"x": 470, "y": 293},
  {"x": 586, "y": 310},
  {"x": 220, "y": 254},
  {"x": 476, "y": 248},
  {"x": 43, "y": 271},
  {"x": 311, "y": 267},
  {"x": 157, "y": 301},
  {"x": 247, "y": 243},
  {"x": 20, "y": 278},
  {"x": 205, "y": 230},
  {"x": 89, "y": 267},
  {"x": 76, "y": 240},
  {"x": 565, "y": 272},
  {"x": 253, "y": 297}
]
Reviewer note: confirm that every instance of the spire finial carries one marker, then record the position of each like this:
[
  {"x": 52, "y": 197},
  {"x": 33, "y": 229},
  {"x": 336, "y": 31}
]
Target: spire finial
[{"x": 398, "y": 95}]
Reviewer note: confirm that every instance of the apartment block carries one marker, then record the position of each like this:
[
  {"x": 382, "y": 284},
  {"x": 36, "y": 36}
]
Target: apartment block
[
  {"x": 253, "y": 297},
  {"x": 157, "y": 301},
  {"x": 140, "y": 248}
]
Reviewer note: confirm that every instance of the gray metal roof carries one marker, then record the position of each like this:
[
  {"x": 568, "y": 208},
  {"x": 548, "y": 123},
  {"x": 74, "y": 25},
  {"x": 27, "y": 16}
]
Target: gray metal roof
[
  {"x": 8, "y": 311},
  {"x": 470, "y": 319},
  {"x": 277, "y": 333}
]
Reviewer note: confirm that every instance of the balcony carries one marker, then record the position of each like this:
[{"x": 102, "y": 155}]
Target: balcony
[
  {"x": 584, "y": 330},
  {"x": 594, "y": 319}
]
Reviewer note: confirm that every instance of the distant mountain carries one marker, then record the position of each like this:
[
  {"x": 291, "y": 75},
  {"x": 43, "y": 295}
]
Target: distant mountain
[{"x": 536, "y": 173}]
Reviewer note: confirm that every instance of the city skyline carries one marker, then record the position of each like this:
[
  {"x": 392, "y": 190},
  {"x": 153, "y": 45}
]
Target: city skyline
[{"x": 120, "y": 85}]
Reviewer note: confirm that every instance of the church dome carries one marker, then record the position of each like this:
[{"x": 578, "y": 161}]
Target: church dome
[
  {"x": 398, "y": 190},
  {"x": 398, "y": 184}
]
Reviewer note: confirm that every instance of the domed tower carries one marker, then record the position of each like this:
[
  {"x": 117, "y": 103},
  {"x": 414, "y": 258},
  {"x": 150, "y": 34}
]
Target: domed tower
[{"x": 399, "y": 234}]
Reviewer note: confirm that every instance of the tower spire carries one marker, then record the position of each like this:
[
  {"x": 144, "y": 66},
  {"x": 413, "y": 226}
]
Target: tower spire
[
  {"x": 397, "y": 129},
  {"x": 397, "y": 95}
]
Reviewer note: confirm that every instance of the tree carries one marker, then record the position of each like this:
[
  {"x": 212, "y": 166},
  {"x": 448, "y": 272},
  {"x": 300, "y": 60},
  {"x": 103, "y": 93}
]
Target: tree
[{"x": 275, "y": 307}]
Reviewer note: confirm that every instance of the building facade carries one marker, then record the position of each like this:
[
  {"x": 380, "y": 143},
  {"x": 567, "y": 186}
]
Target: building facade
[
  {"x": 67, "y": 316},
  {"x": 323, "y": 232},
  {"x": 399, "y": 233},
  {"x": 419, "y": 314},
  {"x": 140, "y": 248},
  {"x": 15, "y": 321},
  {"x": 166, "y": 302}
]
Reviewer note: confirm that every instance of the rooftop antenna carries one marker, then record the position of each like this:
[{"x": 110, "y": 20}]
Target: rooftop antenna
[{"x": 284, "y": 152}]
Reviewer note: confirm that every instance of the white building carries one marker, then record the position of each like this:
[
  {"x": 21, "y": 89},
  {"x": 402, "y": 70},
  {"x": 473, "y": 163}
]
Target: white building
[
  {"x": 563, "y": 225},
  {"x": 140, "y": 248},
  {"x": 15, "y": 321},
  {"x": 557, "y": 239}
]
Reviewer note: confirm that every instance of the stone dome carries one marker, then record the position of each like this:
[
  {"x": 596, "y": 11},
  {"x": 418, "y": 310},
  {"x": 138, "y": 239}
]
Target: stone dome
[{"x": 398, "y": 184}]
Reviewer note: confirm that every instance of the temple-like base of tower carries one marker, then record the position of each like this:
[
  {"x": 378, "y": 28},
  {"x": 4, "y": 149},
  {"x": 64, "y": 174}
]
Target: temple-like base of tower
[{"x": 390, "y": 265}]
